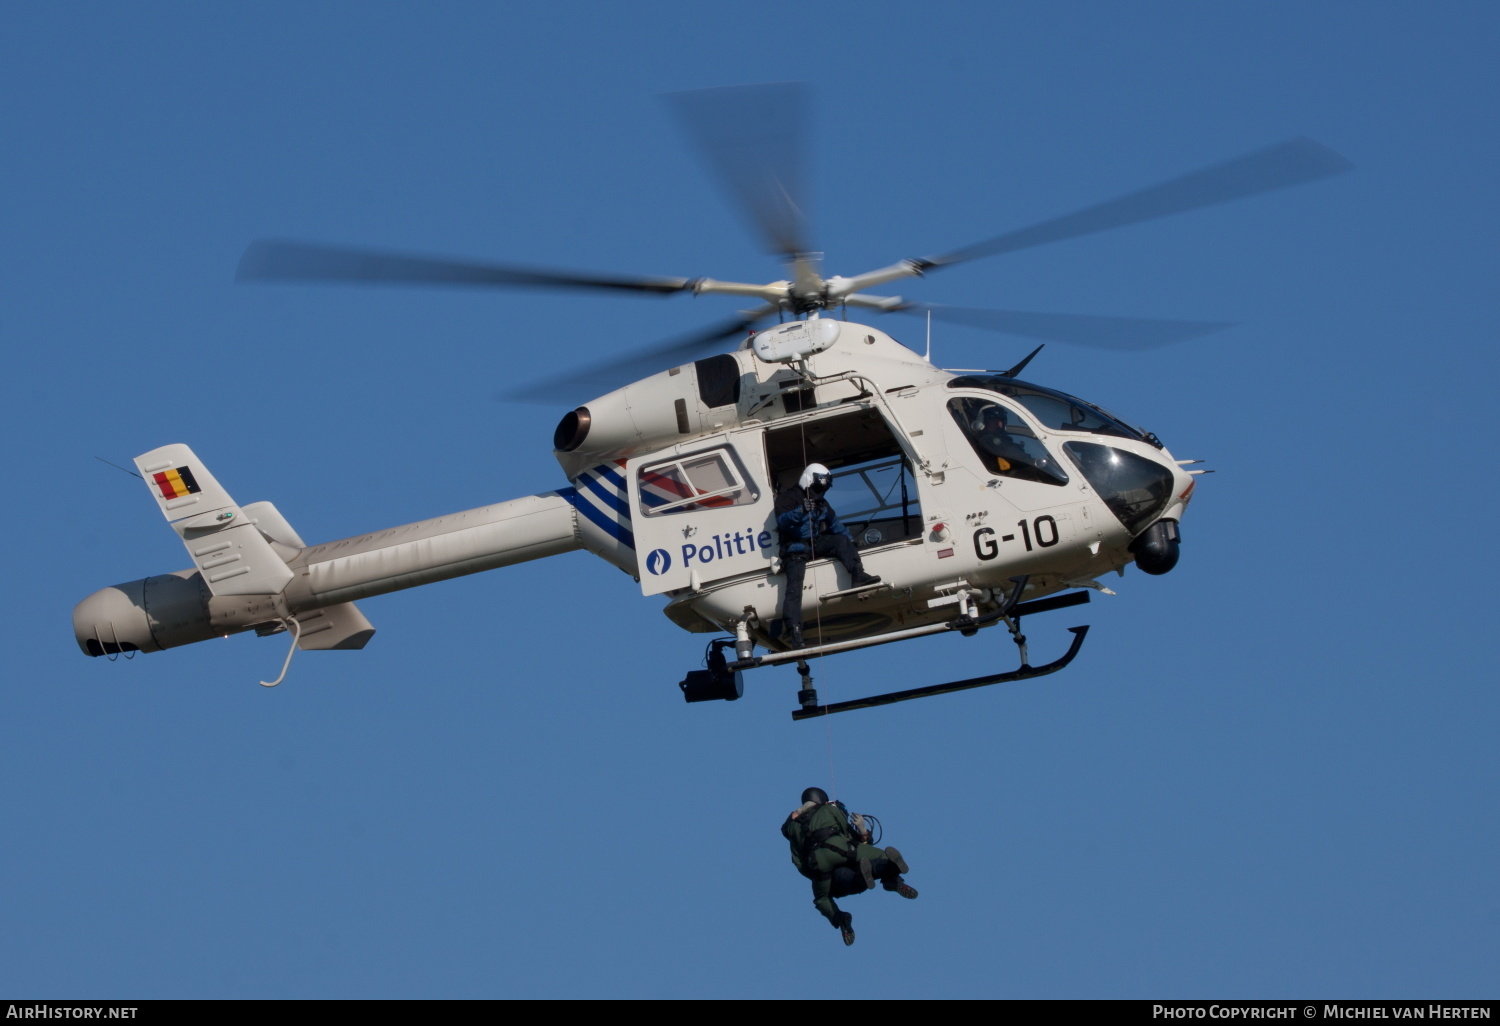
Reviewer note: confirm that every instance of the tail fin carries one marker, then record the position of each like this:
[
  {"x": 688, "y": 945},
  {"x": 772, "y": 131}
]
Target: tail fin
[
  {"x": 240, "y": 550},
  {"x": 234, "y": 558}
]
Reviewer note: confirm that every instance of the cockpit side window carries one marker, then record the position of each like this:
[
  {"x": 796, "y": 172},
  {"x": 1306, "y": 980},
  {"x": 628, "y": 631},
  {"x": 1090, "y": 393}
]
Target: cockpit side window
[{"x": 1004, "y": 442}]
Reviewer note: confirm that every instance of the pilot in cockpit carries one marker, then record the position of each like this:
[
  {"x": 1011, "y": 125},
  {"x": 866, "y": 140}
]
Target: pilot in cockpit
[
  {"x": 992, "y": 435},
  {"x": 1007, "y": 444}
]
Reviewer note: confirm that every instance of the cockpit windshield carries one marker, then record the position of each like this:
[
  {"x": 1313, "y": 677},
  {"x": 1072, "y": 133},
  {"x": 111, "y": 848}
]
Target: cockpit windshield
[{"x": 1056, "y": 410}]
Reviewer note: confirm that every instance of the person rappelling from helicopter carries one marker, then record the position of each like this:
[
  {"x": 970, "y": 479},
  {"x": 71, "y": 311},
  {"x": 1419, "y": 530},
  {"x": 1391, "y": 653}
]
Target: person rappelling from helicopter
[
  {"x": 810, "y": 529},
  {"x": 834, "y": 852}
]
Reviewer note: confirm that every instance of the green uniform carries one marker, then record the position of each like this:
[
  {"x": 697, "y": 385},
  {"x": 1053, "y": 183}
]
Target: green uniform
[{"x": 822, "y": 842}]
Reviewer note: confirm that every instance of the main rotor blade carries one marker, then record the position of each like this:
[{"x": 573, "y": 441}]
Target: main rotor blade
[
  {"x": 271, "y": 260},
  {"x": 1290, "y": 163},
  {"x": 754, "y": 138},
  {"x": 1126, "y": 333},
  {"x": 584, "y": 384}
]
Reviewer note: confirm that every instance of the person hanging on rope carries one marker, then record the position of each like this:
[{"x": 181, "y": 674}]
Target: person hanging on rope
[
  {"x": 810, "y": 529},
  {"x": 835, "y": 853}
]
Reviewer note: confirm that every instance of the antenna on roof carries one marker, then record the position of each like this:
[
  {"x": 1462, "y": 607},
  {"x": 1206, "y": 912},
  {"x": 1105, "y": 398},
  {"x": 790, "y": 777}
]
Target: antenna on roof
[{"x": 1018, "y": 368}]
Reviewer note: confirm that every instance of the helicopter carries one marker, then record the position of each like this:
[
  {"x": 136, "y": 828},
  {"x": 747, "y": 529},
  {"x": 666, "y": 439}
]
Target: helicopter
[{"x": 976, "y": 497}]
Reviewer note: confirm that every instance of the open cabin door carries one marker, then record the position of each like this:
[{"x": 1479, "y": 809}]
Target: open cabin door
[
  {"x": 701, "y": 514},
  {"x": 874, "y": 491}
]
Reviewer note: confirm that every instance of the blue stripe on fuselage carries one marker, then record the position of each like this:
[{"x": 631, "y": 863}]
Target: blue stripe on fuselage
[
  {"x": 614, "y": 501},
  {"x": 598, "y": 517},
  {"x": 611, "y": 475}
]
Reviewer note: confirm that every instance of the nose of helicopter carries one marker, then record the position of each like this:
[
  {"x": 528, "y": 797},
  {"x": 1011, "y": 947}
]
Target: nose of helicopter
[{"x": 1138, "y": 490}]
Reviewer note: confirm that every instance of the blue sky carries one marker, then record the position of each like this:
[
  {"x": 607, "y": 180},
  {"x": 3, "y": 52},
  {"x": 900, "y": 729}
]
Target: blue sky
[{"x": 1270, "y": 773}]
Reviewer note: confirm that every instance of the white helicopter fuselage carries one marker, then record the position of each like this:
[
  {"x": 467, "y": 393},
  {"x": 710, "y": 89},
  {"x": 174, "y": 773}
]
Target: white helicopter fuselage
[
  {"x": 962, "y": 531},
  {"x": 674, "y": 479}
]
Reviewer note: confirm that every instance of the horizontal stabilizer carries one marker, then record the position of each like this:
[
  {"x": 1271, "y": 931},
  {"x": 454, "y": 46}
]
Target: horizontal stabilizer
[
  {"x": 334, "y": 627},
  {"x": 273, "y": 526},
  {"x": 234, "y": 558}
]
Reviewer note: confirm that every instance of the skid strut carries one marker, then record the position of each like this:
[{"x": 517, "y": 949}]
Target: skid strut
[{"x": 807, "y": 698}]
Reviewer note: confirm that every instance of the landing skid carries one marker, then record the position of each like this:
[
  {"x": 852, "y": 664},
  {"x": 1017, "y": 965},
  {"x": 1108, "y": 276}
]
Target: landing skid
[
  {"x": 1010, "y": 613},
  {"x": 1024, "y": 673}
]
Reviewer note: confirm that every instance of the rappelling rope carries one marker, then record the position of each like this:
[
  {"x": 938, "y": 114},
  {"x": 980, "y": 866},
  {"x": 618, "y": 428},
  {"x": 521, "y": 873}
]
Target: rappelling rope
[
  {"x": 833, "y": 780},
  {"x": 812, "y": 541}
]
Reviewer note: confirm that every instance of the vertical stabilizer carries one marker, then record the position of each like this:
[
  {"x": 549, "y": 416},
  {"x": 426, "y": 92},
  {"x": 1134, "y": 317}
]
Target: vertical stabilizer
[{"x": 234, "y": 558}]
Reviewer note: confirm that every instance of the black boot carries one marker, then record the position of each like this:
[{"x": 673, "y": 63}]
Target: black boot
[
  {"x": 846, "y": 928},
  {"x": 793, "y": 634}
]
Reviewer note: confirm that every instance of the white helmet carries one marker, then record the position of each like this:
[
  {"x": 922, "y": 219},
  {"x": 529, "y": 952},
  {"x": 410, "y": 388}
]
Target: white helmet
[{"x": 816, "y": 474}]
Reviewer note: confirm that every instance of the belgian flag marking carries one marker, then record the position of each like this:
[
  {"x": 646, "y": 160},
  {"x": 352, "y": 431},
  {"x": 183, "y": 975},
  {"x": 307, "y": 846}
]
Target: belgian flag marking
[{"x": 174, "y": 484}]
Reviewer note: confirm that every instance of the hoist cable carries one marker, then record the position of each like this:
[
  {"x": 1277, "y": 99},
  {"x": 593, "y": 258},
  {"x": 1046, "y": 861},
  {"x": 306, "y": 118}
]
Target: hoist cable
[{"x": 812, "y": 541}]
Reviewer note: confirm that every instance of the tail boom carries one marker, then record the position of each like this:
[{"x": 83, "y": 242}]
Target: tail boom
[{"x": 180, "y": 608}]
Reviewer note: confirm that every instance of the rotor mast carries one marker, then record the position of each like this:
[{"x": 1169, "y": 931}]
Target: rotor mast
[{"x": 808, "y": 292}]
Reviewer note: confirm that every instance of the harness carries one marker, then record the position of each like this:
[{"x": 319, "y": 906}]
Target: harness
[{"x": 821, "y": 837}]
